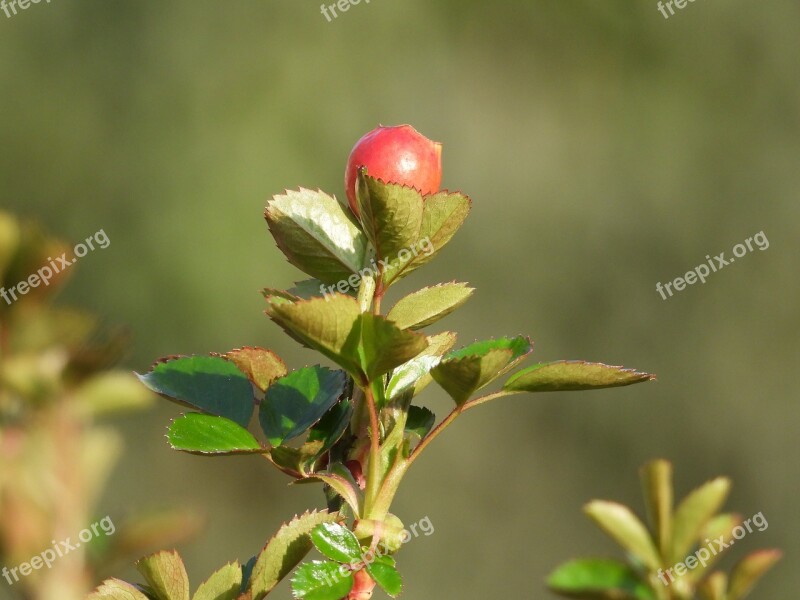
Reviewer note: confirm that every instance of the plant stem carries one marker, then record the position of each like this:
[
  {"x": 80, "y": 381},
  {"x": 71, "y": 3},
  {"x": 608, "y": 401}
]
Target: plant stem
[
  {"x": 434, "y": 433},
  {"x": 374, "y": 472}
]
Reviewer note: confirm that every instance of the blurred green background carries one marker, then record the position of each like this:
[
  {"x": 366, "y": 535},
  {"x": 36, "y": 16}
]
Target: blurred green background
[{"x": 605, "y": 148}]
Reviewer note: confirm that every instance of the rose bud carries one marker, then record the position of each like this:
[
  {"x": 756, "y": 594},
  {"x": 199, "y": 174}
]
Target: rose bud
[
  {"x": 363, "y": 586},
  {"x": 397, "y": 154}
]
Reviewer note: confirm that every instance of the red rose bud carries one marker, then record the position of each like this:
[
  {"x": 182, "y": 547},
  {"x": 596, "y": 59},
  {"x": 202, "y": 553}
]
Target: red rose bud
[{"x": 395, "y": 155}]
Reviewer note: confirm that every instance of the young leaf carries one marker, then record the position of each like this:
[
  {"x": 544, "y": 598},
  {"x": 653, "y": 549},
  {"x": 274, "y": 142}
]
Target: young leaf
[
  {"x": 567, "y": 375},
  {"x": 420, "y": 421},
  {"x": 749, "y": 570},
  {"x": 463, "y": 372},
  {"x": 598, "y": 578},
  {"x": 295, "y": 402},
  {"x": 384, "y": 346},
  {"x": 206, "y": 434},
  {"x": 391, "y": 214},
  {"x": 321, "y": 581},
  {"x": 714, "y": 587},
  {"x": 694, "y": 512},
  {"x": 365, "y": 345},
  {"x": 341, "y": 481},
  {"x": 620, "y": 523},
  {"x": 415, "y": 374},
  {"x": 442, "y": 215},
  {"x": 657, "y": 483},
  {"x": 336, "y": 542},
  {"x": 720, "y": 526},
  {"x": 224, "y": 584},
  {"x": 284, "y": 551},
  {"x": 165, "y": 573},
  {"x": 428, "y": 305},
  {"x": 207, "y": 383},
  {"x": 261, "y": 366},
  {"x": 383, "y": 571},
  {"x": 296, "y": 462},
  {"x": 316, "y": 234},
  {"x": 329, "y": 325},
  {"x": 115, "y": 589}
]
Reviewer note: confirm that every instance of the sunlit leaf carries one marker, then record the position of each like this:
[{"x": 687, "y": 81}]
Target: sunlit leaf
[
  {"x": 415, "y": 374},
  {"x": 285, "y": 550},
  {"x": 336, "y": 542},
  {"x": 165, "y": 573},
  {"x": 115, "y": 589},
  {"x": 261, "y": 366},
  {"x": 694, "y": 512},
  {"x": 209, "y": 434},
  {"x": 657, "y": 483},
  {"x": 749, "y": 570},
  {"x": 567, "y": 375},
  {"x": 619, "y": 522},
  {"x": 428, "y": 305},
  {"x": 316, "y": 234},
  {"x": 224, "y": 584},
  {"x": 321, "y": 581},
  {"x": 463, "y": 372}
]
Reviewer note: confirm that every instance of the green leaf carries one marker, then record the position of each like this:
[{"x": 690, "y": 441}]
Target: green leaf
[
  {"x": 383, "y": 571},
  {"x": 463, "y": 372},
  {"x": 261, "y": 366},
  {"x": 420, "y": 421},
  {"x": 165, "y": 573},
  {"x": 336, "y": 542},
  {"x": 567, "y": 375},
  {"x": 598, "y": 578},
  {"x": 285, "y": 550},
  {"x": 657, "y": 483},
  {"x": 115, "y": 589},
  {"x": 442, "y": 215},
  {"x": 391, "y": 214},
  {"x": 295, "y": 402},
  {"x": 222, "y": 585},
  {"x": 316, "y": 234},
  {"x": 694, "y": 512},
  {"x": 206, "y": 434},
  {"x": 428, "y": 305},
  {"x": 207, "y": 383},
  {"x": 365, "y": 345},
  {"x": 384, "y": 346},
  {"x": 620, "y": 523},
  {"x": 321, "y": 581},
  {"x": 332, "y": 425},
  {"x": 749, "y": 570},
  {"x": 296, "y": 462},
  {"x": 415, "y": 374}
]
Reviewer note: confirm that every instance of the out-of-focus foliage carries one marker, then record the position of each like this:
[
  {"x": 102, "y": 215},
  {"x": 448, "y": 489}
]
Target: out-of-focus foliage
[{"x": 56, "y": 379}]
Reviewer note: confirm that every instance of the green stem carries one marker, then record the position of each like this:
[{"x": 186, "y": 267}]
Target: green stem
[{"x": 374, "y": 472}]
